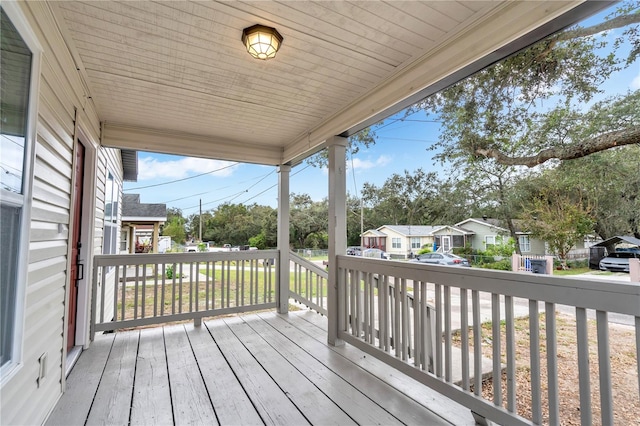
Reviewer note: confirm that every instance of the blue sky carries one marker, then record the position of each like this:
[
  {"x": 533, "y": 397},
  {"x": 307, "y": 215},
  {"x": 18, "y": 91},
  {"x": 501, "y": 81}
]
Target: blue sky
[{"x": 400, "y": 145}]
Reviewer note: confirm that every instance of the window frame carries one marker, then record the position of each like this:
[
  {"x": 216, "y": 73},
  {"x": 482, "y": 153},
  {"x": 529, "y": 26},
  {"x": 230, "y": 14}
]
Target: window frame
[
  {"x": 416, "y": 243},
  {"x": 111, "y": 222},
  {"x": 487, "y": 238},
  {"x": 396, "y": 242},
  {"x": 24, "y": 200},
  {"x": 522, "y": 245}
]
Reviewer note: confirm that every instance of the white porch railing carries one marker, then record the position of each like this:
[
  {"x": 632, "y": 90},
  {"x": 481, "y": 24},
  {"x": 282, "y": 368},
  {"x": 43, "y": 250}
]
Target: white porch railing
[
  {"x": 143, "y": 289},
  {"x": 308, "y": 284},
  {"x": 371, "y": 319}
]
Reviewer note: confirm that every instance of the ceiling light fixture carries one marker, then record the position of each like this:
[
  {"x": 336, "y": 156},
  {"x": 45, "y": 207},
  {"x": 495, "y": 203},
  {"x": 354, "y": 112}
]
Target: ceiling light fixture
[{"x": 261, "y": 42}]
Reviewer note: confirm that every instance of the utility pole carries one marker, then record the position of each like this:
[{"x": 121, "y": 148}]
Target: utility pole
[{"x": 200, "y": 219}]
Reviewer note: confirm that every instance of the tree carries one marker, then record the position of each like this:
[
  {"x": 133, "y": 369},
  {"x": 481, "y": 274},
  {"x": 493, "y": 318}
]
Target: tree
[
  {"x": 175, "y": 226},
  {"x": 559, "y": 218},
  {"x": 502, "y": 113},
  {"x": 309, "y": 222}
]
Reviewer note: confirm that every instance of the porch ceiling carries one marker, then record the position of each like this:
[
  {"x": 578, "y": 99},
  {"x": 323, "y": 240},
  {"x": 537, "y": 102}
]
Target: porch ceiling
[{"x": 174, "y": 77}]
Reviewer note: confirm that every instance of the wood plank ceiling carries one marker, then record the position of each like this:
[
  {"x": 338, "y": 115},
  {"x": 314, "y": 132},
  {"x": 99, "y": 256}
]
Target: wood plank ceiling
[{"x": 174, "y": 76}]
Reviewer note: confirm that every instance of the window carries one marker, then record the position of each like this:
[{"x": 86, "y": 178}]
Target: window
[
  {"x": 415, "y": 242},
  {"x": 525, "y": 243},
  {"x": 396, "y": 243},
  {"x": 111, "y": 194},
  {"x": 490, "y": 240},
  {"x": 16, "y": 138}
]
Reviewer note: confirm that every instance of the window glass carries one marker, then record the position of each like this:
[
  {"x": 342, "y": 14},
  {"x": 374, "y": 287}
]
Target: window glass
[
  {"x": 16, "y": 77},
  {"x": 415, "y": 242},
  {"x": 111, "y": 194},
  {"x": 15, "y": 73},
  {"x": 525, "y": 243},
  {"x": 396, "y": 243}
]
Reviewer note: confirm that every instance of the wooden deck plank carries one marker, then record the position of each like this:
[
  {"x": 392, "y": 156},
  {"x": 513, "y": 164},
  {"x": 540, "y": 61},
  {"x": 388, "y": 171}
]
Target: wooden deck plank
[
  {"x": 230, "y": 401},
  {"x": 314, "y": 404},
  {"x": 406, "y": 409},
  {"x": 113, "y": 398},
  {"x": 347, "y": 396},
  {"x": 189, "y": 396},
  {"x": 316, "y": 325},
  {"x": 73, "y": 408},
  {"x": 270, "y": 401},
  {"x": 151, "y": 403}
]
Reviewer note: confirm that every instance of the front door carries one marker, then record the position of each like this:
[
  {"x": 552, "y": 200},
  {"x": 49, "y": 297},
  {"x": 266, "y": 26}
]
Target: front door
[
  {"x": 77, "y": 268},
  {"x": 446, "y": 243}
]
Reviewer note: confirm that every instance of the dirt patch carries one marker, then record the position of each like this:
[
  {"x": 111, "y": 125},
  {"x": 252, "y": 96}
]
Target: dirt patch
[{"x": 624, "y": 368}]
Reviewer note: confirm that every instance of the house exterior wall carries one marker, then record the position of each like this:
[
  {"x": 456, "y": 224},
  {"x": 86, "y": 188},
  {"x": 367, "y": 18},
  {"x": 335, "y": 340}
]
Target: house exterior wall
[
  {"x": 481, "y": 231},
  {"x": 395, "y": 252},
  {"x": 24, "y": 398}
]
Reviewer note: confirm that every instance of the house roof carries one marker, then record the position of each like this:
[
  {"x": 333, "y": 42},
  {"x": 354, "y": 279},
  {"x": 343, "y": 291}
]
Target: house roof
[
  {"x": 174, "y": 77},
  {"x": 374, "y": 233},
  {"x": 412, "y": 230},
  {"x": 610, "y": 243},
  {"x": 497, "y": 223},
  {"x": 455, "y": 228},
  {"x": 134, "y": 210}
]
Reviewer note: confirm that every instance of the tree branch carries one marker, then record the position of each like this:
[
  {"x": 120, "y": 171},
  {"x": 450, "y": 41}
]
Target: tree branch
[
  {"x": 570, "y": 152},
  {"x": 617, "y": 22}
]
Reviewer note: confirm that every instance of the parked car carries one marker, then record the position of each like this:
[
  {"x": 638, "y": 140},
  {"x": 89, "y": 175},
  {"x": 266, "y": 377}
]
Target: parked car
[
  {"x": 376, "y": 254},
  {"x": 441, "y": 259},
  {"x": 354, "y": 250},
  {"x": 618, "y": 261}
]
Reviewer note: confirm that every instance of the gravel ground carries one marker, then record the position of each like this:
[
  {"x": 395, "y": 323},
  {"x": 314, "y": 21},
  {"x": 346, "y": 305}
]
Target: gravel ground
[{"x": 624, "y": 367}]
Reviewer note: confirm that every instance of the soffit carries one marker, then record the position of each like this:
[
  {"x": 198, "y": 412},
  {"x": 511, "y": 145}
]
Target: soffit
[{"x": 174, "y": 76}]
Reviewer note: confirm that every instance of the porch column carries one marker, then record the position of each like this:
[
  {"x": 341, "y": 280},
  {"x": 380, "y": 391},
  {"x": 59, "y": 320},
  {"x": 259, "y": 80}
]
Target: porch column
[
  {"x": 282, "y": 295},
  {"x": 156, "y": 236},
  {"x": 337, "y": 228},
  {"x": 132, "y": 239}
]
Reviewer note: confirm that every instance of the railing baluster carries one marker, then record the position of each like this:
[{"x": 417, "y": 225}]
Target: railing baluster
[
  {"x": 464, "y": 336},
  {"x": 637, "y": 321},
  {"x": 366, "y": 320},
  {"x": 124, "y": 288},
  {"x": 496, "y": 346},
  {"x": 207, "y": 304},
  {"x": 155, "y": 291},
  {"x": 196, "y": 285},
  {"x": 438, "y": 340},
  {"x": 604, "y": 368},
  {"x": 103, "y": 293},
  {"x": 534, "y": 356},
  {"x": 237, "y": 284},
  {"x": 397, "y": 339},
  {"x": 447, "y": 335},
  {"x": 143, "y": 302},
  {"x": 385, "y": 318},
  {"x": 405, "y": 319},
  {"x": 372, "y": 307},
  {"x": 162, "y": 289},
  {"x": 552, "y": 364},
  {"x": 136, "y": 292},
  {"x": 477, "y": 343},
  {"x": 115, "y": 295},
  {"x": 418, "y": 324},
  {"x": 584, "y": 371},
  {"x": 181, "y": 285},
  {"x": 173, "y": 287},
  {"x": 511, "y": 353},
  {"x": 353, "y": 287}
]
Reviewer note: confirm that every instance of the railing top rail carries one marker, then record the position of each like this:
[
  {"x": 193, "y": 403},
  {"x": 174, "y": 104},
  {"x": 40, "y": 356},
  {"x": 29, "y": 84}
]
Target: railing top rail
[
  {"x": 307, "y": 264},
  {"x": 155, "y": 258},
  {"x": 610, "y": 296}
]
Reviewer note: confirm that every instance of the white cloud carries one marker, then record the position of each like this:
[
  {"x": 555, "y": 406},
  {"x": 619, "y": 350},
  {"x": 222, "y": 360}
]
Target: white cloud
[
  {"x": 153, "y": 168},
  {"x": 635, "y": 83},
  {"x": 359, "y": 164}
]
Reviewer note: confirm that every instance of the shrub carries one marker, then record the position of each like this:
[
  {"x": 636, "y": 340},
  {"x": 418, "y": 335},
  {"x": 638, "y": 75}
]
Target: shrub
[{"x": 501, "y": 265}]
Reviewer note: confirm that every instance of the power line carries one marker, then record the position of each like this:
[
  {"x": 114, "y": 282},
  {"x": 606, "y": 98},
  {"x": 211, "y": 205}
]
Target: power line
[{"x": 181, "y": 180}]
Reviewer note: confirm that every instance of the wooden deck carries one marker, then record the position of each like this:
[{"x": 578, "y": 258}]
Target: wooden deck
[{"x": 253, "y": 369}]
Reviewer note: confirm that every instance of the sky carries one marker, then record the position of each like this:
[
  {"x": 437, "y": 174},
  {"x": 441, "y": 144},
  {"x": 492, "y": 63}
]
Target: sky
[{"x": 401, "y": 144}]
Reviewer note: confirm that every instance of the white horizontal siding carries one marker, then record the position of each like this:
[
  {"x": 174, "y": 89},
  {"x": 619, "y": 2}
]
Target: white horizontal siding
[{"x": 61, "y": 93}]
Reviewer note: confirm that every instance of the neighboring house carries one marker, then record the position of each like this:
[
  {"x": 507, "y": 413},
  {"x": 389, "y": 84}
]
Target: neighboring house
[
  {"x": 141, "y": 224},
  {"x": 450, "y": 237},
  {"x": 401, "y": 240},
  {"x": 486, "y": 232}
]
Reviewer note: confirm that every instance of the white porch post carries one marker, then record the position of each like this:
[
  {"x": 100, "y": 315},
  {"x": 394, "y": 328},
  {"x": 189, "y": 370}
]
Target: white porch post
[
  {"x": 283, "y": 239},
  {"x": 337, "y": 228}
]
